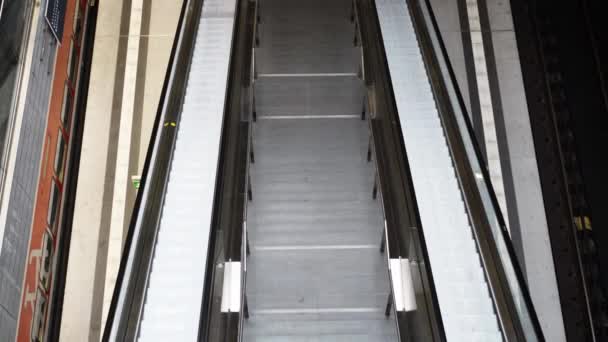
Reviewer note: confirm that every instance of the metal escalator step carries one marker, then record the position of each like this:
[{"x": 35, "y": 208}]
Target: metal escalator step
[
  {"x": 301, "y": 59},
  {"x": 292, "y": 329},
  {"x": 314, "y": 234},
  {"x": 437, "y": 190},
  {"x": 293, "y": 38},
  {"x": 179, "y": 260},
  {"x": 316, "y": 95},
  {"x": 317, "y": 273}
]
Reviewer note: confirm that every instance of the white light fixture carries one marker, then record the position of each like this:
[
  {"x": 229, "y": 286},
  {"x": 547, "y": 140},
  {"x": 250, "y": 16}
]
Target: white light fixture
[
  {"x": 403, "y": 285},
  {"x": 231, "y": 289}
]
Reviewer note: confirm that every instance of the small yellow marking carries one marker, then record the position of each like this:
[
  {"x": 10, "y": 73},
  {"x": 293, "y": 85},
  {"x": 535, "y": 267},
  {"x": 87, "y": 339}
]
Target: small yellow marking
[
  {"x": 588, "y": 223},
  {"x": 583, "y": 223},
  {"x": 578, "y": 222},
  {"x": 172, "y": 123}
]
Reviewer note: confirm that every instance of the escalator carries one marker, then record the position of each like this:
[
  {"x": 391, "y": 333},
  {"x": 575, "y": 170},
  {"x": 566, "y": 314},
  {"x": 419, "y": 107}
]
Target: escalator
[
  {"x": 314, "y": 270},
  {"x": 312, "y": 176}
]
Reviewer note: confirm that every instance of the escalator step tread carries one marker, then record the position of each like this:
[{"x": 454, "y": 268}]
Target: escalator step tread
[{"x": 437, "y": 191}]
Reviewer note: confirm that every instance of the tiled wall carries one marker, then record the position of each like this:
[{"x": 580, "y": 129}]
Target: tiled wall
[{"x": 20, "y": 206}]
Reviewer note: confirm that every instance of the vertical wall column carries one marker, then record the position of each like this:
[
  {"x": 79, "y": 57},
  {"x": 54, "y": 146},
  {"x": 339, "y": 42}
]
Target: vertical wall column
[
  {"x": 151, "y": 31},
  {"x": 86, "y": 264},
  {"x": 490, "y": 141},
  {"x": 515, "y": 148},
  {"x": 488, "y": 72},
  {"x": 132, "y": 48},
  {"x": 449, "y": 21},
  {"x": 159, "y": 28},
  {"x": 122, "y": 202}
]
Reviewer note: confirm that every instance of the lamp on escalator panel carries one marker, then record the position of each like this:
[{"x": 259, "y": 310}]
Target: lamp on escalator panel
[{"x": 403, "y": 286}]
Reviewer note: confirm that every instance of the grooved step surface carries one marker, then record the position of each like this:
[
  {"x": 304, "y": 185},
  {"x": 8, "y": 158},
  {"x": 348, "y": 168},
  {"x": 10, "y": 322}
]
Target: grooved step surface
[
  {"x": 315, "y": 272},
  {"x": 464, "y": 300},
  {"x": 307, "y": 61},
  {"x": 309, "y": 95},
  {"x": 326, "y": 330},
  {"x": 297, "y": 37},
  {"x": 312, "y": 184},
  {"x": 318, "y": 282},
  {"x": 175, "y": 287}
]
